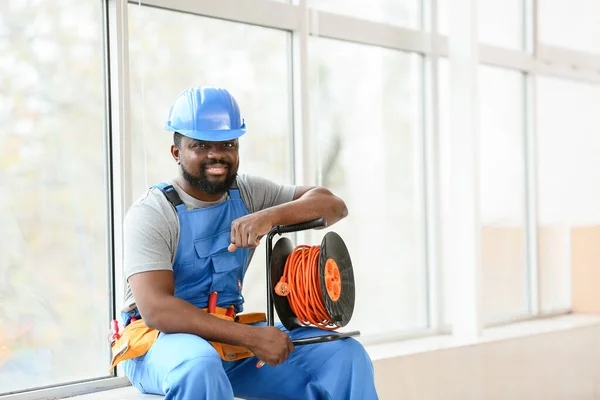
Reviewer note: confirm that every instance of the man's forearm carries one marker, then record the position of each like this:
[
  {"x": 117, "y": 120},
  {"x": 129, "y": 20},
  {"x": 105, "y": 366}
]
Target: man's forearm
[
  {"x": 315, "y": 203},
  {"x": 174, "y": 315}
]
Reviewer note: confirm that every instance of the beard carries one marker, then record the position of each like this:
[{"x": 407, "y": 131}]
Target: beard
[{"x": 203, "y": 183}]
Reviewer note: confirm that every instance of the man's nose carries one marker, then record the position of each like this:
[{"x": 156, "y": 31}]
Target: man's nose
[{"x": 215, "y": 152}]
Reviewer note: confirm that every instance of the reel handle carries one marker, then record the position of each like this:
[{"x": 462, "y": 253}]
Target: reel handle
[
  {"x": 303, "y": 226},
  {"x": 280, "y": 229},
  {"x": 317, "y": 339}
]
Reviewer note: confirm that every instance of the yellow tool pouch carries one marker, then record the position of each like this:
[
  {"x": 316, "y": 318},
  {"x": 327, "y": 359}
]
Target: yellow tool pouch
[
  {"x": 137, "y": 338},
  {"x": 230, "y": 352},
  {"x": 135, "y": 341}
]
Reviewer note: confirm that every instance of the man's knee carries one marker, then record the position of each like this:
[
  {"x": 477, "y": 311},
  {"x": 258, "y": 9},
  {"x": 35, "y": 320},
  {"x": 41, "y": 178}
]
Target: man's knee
[
  {"x": 179, "y": 364},
  {"x": 196, "y": 357},
  {"x": 197, "y": 368},
  {"x": 200, "y": 372},
  {"x": 351, "y": 351}
]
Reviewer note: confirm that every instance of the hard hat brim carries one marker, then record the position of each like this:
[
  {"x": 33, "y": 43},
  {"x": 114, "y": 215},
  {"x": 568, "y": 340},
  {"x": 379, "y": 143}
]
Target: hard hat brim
[{"x": 211, "y": 136}]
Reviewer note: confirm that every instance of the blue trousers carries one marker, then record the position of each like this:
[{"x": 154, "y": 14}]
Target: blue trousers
[{"x": 181, "y": 366}]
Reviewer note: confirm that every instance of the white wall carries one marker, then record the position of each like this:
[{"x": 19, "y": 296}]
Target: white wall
[{"x": 549, "y": 366}]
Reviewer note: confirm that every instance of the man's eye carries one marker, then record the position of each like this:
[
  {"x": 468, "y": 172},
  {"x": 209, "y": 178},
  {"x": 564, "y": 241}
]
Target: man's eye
[{"x": 229, "y": 145}]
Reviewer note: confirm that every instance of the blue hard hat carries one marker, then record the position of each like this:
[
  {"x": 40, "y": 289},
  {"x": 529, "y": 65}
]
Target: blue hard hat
[{"x": 206, "y": 113}]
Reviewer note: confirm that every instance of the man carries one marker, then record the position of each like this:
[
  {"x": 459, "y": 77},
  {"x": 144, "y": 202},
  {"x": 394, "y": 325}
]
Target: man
[{"x": 193, "y": 236}]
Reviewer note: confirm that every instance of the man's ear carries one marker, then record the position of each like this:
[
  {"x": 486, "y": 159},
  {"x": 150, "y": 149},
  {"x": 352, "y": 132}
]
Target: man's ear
[{"x": 175, "y": 153}]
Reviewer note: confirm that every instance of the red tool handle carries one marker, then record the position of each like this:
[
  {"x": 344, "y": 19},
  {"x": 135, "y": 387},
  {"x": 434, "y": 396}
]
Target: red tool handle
[
  {"x": 114, "y": 335},
  {"x": 212, "y": 303},
  {"x": 230, "y": 311},
  {"x": 114, "y": 328}
]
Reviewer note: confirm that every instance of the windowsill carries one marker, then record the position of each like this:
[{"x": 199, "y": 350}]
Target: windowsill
[
  {"x": 382, "y": 351},
  {"x": 515, "y": 330}
]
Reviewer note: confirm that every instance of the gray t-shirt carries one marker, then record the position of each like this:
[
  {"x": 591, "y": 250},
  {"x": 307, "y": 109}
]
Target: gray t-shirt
[{"x": 151, "y": 227}]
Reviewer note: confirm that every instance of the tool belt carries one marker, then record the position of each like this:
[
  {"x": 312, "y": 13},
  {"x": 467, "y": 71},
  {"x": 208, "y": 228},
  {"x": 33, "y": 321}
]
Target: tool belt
[{"x": 136, "y": 339}]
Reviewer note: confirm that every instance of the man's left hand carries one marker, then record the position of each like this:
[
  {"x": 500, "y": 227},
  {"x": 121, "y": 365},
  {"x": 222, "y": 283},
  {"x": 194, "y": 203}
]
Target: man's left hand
[{"x": 245, "y": 231}]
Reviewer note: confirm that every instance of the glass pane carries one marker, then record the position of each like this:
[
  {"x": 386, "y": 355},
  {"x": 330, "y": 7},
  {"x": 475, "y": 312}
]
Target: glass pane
[
  {"x": 501, "y": 185},
  {"x": 502, "y": 196},
  {"x": 53, "y": 215},
  {"x": 500, "y": 22},
  {"x": 568, "y": 166},
  {"x": 367, "y": 120},
  {"x": 251, "y": 62},
  {"x": 573, "y": 24},
  {"x": 405, "y": 13}
]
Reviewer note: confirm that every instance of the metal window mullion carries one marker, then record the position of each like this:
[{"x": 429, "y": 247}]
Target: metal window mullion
[
  {"x": 571, "y": 59},
  {"x": 120, "y": 134},
  {"x": 530, "y": 26},
  {"x": 531, "y": 193},
  {"x": 356, "y": 30},
  {"x": 431, "y": 115},
  {"x": 304, "y": 171},
  {"x": 266, "y": 13},
  {"x": 111, "y": 278},
  {"x": 530, "y": 127},
  {"x": 304, "y": 160},
  {"x": 565, "y": 72}
]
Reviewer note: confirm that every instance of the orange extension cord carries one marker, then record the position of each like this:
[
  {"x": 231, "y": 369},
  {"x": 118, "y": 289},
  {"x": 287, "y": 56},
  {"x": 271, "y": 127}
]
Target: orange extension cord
[{"x": 301, "y": 284}]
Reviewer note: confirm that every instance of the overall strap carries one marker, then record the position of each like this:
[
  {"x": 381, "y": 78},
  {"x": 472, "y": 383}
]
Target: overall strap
[
  {"x": 235, "y": 194},
  {"x": 234, "y": 191},
  {"x": 171, "y": 195}
]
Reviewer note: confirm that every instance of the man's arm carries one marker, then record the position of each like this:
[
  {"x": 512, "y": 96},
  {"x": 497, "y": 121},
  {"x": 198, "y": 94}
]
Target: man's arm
[
  {"x": 309, "y": 203},
  {"x": 160, "y": 309},
  {"x": 149, "y": 241}
]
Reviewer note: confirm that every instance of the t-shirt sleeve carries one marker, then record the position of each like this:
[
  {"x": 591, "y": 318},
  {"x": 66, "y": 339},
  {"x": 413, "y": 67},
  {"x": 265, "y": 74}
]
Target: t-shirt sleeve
[
  {"x": 260, "y": 193},
  {"x": 147, "y": 241}
]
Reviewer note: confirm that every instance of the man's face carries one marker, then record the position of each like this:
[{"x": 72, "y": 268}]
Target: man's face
[{"x": 209, "y": 166}]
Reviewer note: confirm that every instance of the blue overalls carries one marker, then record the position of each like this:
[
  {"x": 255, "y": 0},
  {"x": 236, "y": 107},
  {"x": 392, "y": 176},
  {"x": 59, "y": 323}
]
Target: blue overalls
[{"x": 185, "y": 367}]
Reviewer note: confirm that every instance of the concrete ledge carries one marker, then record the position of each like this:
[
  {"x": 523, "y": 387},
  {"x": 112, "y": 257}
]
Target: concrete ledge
[
  {"x": 126, "y": 393},
  {"x": 554, "y": 358}
]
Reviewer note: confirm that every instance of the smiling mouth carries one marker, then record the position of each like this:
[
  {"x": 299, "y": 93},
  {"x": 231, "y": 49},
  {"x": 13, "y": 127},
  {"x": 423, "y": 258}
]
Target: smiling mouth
[{"x": 216, "y": 169}]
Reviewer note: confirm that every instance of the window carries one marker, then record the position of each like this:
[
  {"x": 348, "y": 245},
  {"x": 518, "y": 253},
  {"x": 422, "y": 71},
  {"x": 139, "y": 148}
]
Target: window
[
  {"x": 371, "y": 138},
  {"x": 568, "y": 166},
  {"x": 501, "y": 191},
  {"x": 366, "y": 117},
  {"x": 54, "y": 261},
  {"x": 501, "y": 23},
  {"x": 405, "y": 13},
  {"x": 251, "y": 62},
  {"x": 573, "y": 24}
]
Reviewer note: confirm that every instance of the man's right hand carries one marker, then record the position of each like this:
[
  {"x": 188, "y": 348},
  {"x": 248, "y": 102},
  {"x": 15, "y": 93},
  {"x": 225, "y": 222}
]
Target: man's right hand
[{"x": 270, "y": 345}]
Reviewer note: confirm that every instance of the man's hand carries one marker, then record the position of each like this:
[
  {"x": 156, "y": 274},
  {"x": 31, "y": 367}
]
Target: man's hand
[
  {"x": 246, "y": 230},
  {"x": 270, "y": 345}
]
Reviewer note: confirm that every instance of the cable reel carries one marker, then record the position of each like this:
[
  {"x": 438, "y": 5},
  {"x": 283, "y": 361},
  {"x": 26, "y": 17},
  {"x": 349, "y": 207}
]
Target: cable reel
[{"x": 310, "y": 285}]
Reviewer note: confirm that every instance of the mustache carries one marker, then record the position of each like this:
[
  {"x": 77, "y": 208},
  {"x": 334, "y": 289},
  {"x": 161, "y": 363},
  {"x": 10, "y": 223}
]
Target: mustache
[{"x": 222, "y": 162}]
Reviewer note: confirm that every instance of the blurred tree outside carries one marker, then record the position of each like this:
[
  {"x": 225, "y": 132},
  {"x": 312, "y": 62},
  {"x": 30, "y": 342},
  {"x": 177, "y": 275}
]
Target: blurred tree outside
[{"x": 53, "y": 256}]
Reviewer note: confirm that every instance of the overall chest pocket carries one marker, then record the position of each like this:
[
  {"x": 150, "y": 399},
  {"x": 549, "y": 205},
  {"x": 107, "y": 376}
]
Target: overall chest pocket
[{"x": 225, "y": 267}]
